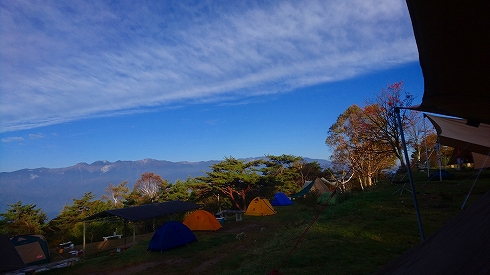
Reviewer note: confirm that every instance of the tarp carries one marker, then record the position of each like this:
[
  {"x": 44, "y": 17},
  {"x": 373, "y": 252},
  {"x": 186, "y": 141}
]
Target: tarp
[
  {"x": 202, "y": 220},
  {"x": 456, "y": 133},
  {"x": 280, "y": 199},
  {"x": 481, "y": 161},
  {"x": 260, "y": 207},
  {"x": 33, "y": 249},
  {"x": 9, "y": 257},
  {"x": 459, "y": 247},
  {"x": 315, "y": 185},
  {"x": 453, "y": 38},
  {"x": 169, "y": 235},
  {"x": 147, "y": 211}
]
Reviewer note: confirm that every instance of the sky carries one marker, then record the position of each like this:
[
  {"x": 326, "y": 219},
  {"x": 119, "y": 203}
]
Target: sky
[{"x": 82, "y": 81}]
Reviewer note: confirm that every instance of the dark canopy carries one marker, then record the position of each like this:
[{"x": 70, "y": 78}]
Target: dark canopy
[
  {"x": 147, "y": 211},
  {"x": 453, "y": 40}
]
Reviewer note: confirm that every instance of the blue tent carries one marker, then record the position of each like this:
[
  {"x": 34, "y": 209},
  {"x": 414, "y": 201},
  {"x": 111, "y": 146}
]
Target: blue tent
[
  {"x": 280, "y": 199},
  {"x": 170, "y": 235}
]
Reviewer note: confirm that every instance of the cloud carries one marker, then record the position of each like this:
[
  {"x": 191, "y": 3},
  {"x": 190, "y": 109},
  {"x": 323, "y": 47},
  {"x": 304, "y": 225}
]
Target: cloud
[
  {"x": 36, "y": 136},
  {"x": 63, "y": 61},
  {"x": 12, "y": 139}
]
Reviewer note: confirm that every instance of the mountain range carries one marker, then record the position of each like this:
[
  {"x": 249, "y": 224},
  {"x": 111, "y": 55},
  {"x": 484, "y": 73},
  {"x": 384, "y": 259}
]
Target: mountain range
[{"x": 51, "y": 188}]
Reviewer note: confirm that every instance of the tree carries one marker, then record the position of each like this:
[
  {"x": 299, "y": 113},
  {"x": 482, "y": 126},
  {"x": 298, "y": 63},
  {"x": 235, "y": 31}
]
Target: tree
[
  {"x": 381, "y": 115},
  {"x": 68, "y": 224},
  {"x": 233, "y": 178},
  {"x": 356, "y": 148},
  {"x": 150, "y": 185},
  {"x": 117, "y": 193},
  {"x": 22, "y": 219},
  {"x": 284, "y": 172},
  {"x": 180, "y": 190}
]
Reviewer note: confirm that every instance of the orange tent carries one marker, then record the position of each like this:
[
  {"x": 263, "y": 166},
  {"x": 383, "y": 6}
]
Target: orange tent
[
  {"x": 260, "y": 207},
  {"x": 202, "y": 220}
]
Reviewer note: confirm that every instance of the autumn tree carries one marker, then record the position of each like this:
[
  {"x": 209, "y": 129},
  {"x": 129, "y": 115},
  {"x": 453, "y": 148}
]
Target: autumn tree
[
  {"x": 22, "y": 219},
  {"x": 356, "y": 148},
  {"x": 116, "y": 194},
  {"x": 232, "y": 178},
  {"x": 381, "y": 115}
]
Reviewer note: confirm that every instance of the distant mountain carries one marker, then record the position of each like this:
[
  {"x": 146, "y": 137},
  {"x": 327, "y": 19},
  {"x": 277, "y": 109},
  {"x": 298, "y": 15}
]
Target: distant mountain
[{"x": 51, "y": 189}]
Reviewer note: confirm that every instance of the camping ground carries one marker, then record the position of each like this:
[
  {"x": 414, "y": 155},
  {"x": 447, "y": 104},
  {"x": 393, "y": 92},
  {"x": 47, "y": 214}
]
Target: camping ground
[{"x": 358, "y": 234}]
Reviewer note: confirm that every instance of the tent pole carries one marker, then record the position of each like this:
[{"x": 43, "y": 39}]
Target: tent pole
[
  {"x": 83, "y": 247},
  {"x": 409, "y": 170}
]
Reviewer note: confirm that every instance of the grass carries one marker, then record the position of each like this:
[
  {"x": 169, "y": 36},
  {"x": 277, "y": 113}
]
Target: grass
[{"x": 358, "y": 236}]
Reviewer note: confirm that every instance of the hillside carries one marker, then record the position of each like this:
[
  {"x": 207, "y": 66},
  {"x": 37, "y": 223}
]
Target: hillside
[
  {"x": 358, "y": 234},
  {"x": 51, "y": 189}
]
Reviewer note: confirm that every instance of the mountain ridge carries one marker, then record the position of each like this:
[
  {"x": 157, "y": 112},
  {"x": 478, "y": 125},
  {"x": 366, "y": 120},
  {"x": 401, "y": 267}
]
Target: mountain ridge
[{"x": 51, "y": 188}]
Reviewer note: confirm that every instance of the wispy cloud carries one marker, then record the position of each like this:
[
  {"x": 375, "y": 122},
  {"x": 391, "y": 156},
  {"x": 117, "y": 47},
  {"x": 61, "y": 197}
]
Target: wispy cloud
[
  {"x": 62, "y": 61},
  {"x": 12, "y": 139},
  {"x": 36, "y": 136}
]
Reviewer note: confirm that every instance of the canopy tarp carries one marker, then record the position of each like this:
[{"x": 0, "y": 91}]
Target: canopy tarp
[
  {"x": 453, "y": 40},
  {"x": 456, "y": 133},
  {"x": 147, "y": 211}
]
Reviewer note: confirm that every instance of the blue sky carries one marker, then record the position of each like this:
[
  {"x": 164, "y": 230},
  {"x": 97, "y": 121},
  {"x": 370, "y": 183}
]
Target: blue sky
[{"x": 82, "y": 81}]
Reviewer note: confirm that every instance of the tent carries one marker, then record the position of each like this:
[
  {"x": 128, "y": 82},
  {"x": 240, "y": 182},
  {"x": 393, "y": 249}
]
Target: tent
[
  {"x": 260, "y": 207},
  {"x": 202, "y": 220},
  {"x": 280, "y": 199},
  {"x": 315, "y": 185},
  {"x": 169, "y": 235},
  {"x": 459, "y": 247},
  {"x": 9, "y": 257},
  {"x": 33, "y": 249}
]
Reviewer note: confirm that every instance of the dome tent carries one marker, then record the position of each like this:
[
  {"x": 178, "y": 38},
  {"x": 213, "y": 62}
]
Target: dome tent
[
  {"x": 202, "y": 220},
  {"x": 280, "y": 199},
  {"x": 169, "y": 235},
  {"x": 260, "y": 207}
]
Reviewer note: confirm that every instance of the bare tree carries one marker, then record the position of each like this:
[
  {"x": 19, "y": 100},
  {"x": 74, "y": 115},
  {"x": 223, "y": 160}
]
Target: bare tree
[{"x": 116, "y": 193}]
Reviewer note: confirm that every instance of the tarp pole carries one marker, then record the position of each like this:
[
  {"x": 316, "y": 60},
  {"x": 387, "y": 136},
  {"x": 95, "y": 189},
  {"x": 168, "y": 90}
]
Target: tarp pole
[
  {"x": 125, "y": 230},
  {"x": 426, "y": 150},
  {"x": 439, "y": 162},
  {"x": 134, "y": 232},
  {"x": 409, "y": 170},
  {"x": 83, "y": 246}
]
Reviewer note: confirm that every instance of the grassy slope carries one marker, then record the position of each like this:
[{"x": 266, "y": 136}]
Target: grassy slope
[{"x": 357, "y": 236}]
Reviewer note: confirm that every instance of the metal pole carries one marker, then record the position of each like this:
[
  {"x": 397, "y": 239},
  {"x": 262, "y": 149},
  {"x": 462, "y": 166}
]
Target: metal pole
[
  {"x": 83, "y": 248},
  {"x": 426, "y": 150},
  {"x": 134, "y": 233},
  {"x": 407, "y": 160}
]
